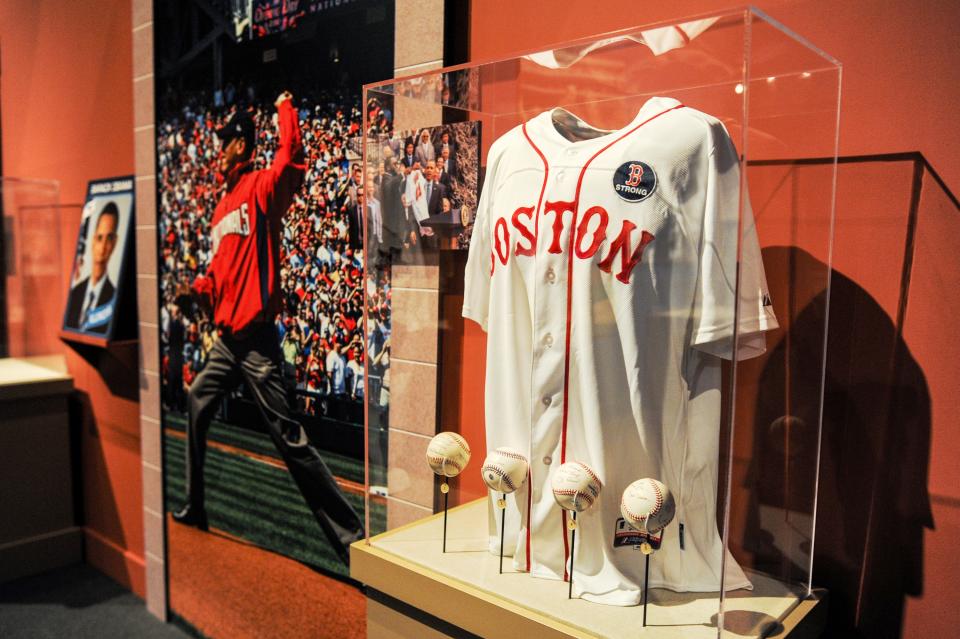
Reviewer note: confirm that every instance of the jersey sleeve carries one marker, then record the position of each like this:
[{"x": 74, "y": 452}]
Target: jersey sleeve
[
  {"x": 717, "y": 289},
  {"x": 476, "y": 294},
  {"x": 280, "y": 182},
  {"x": 203, "y": 287}
]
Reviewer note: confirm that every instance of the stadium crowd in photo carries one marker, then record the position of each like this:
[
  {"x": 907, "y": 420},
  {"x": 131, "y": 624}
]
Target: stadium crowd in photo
[{"x": 320, "y": 328}]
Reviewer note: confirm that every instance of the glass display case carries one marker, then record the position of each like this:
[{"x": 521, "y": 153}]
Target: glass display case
[
  {"x": 33, "y": 273},
  {"x": 616, "y": 253}
]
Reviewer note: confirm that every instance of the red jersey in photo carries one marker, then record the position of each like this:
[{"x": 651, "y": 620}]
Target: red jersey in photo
[{"x": 243, "y": 279}]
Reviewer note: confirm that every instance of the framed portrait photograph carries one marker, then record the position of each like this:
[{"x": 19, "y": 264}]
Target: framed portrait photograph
[{"x": 100, "y": 261}]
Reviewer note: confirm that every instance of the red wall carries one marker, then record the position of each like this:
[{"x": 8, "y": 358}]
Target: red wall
[
  {"x": 67, "y": 108},
  {"x": 901, "y": 85}
]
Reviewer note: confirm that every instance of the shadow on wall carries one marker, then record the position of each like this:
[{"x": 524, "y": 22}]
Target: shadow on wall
[
  {"x": 888, "y": 366},
  {"x": 106, "y": 449},
  {"x": 873, "y": 502}
]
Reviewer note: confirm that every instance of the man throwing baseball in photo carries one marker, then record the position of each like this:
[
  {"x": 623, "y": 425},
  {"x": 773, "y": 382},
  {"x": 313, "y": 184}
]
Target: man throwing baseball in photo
[{"x": 241, "y": 291}]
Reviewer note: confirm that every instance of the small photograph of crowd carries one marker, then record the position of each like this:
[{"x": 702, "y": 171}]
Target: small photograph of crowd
[
  {"x": 423, "y": 188},
  {"x": 98, "y": 262},
  {"x": 420, "y": 197}
]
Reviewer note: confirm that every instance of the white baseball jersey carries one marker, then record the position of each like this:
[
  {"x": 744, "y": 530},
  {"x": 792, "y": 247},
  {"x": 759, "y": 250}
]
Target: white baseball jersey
[
  {"x": 415, "y": 193},
  {"x": 603, "y": 271}
]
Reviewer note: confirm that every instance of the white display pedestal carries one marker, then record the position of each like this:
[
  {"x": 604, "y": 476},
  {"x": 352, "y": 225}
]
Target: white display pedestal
[
  {"x": 38, "y": 531},
  {"x": 418, "y": 591}
]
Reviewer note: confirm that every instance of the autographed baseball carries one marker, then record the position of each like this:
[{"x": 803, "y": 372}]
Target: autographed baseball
[
  {"x": 575, "y": 486},
  {"x": 448, "y": 454},
  {"x": 505, "y": 470},
  {"x": 648, "y": 505}
]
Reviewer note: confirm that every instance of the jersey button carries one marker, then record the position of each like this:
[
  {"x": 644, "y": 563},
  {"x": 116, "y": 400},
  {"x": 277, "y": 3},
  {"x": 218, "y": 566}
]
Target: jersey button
[
  {"x": 547, "y": 460},
  {"x": 548, "y": 340},
  {"x": 546, "y": 401},
  {"x": 551, "y": 275},
  {"x": 559, "y": 177}
]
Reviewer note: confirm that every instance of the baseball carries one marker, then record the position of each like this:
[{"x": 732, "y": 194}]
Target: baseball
[
  {"x": 575, "y": 486},
  {"x": 448, "y": 454},
  {"x": 505, "y": 470},
  {"x": 648, "y": 505}
]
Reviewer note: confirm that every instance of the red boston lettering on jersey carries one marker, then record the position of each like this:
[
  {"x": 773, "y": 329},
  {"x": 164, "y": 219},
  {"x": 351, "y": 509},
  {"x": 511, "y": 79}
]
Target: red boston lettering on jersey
[
  {"x": 558, "y": 209},
  {"x": 588, "y": 237},
  {"x": 524, "y": 231},
  {"x": 622, "y": 245},
  {"x": 599, "y": 233},
  {"x": 501, "y": 237}
]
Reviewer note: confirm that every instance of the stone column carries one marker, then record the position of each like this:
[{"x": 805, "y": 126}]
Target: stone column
[
  {"x": 415, "y": 312},
  {"x": 144, "y": 135}
]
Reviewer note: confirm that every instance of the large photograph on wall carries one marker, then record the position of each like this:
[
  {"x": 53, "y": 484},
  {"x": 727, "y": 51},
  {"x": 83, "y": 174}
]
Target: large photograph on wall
[{"x": 260, "y": 208}]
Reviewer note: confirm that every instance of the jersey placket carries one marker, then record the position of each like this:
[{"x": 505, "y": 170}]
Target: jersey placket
[
  {"x": 552, "y": 381},
  {"x": 550, "y": 331}
]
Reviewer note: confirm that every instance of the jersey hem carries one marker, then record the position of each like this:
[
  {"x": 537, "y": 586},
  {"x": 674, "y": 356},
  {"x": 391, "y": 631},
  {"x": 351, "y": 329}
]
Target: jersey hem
[
  {"x": 479, "y": 318},
  {"x": 632, "y": 597}
]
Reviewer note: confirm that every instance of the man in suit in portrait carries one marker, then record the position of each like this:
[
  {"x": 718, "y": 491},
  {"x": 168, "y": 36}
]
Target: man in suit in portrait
[
  {"x": 425, "y": 151},
  {"x": 393, "y": 216},
  {"x": 90, "y": 304},
  {"x": 446, "y": 168},
  {"x": 435, "y": 190},
  {"x": 446, "y": 142},
  {"x": 408, "y": 159}
]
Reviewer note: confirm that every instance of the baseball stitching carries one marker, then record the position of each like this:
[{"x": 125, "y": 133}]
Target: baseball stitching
[
  {"x": 634, "y": 516},
  {"x": 461, "y": 442},
  {"x": 505, "y": 453},
  {"x": 575, "y": 494},
  {"x": 502, "y": 473},
  {"x": 644, "y": 519},
  {"x": 443, "y": 461},
  {"x": 591, "y": 473},
  {"x": 656, "y": 489}
]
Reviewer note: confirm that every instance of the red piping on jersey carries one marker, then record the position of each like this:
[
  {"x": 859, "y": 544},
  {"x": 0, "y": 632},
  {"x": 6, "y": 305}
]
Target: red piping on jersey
[
  {"x": 566, "y": 356},
  {"x": 683, "y": 35},
  {"x": 543, "y": 188},
  {"x": 573, "y": 225},
  {"x": 529, "y": 498},
  {"x": 536, "y": 240},
  {"x": 566, "y": 363}
]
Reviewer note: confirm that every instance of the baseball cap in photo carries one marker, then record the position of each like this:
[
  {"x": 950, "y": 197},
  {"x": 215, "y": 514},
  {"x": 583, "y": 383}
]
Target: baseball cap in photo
[{"x": 240, "y": 125}]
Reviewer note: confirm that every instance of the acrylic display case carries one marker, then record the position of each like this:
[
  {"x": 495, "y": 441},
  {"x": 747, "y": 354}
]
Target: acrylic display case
[
  {"x": 33, "y": 272},
  {"x": 671, "y": 189},
  {"x": 39, "y": 532}
]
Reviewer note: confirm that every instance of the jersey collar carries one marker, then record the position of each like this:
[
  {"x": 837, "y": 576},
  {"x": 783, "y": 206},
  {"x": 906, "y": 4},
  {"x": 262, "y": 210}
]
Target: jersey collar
[
  {"x": 238, "y": 172},
  {"x": 545, "y": 129}
]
